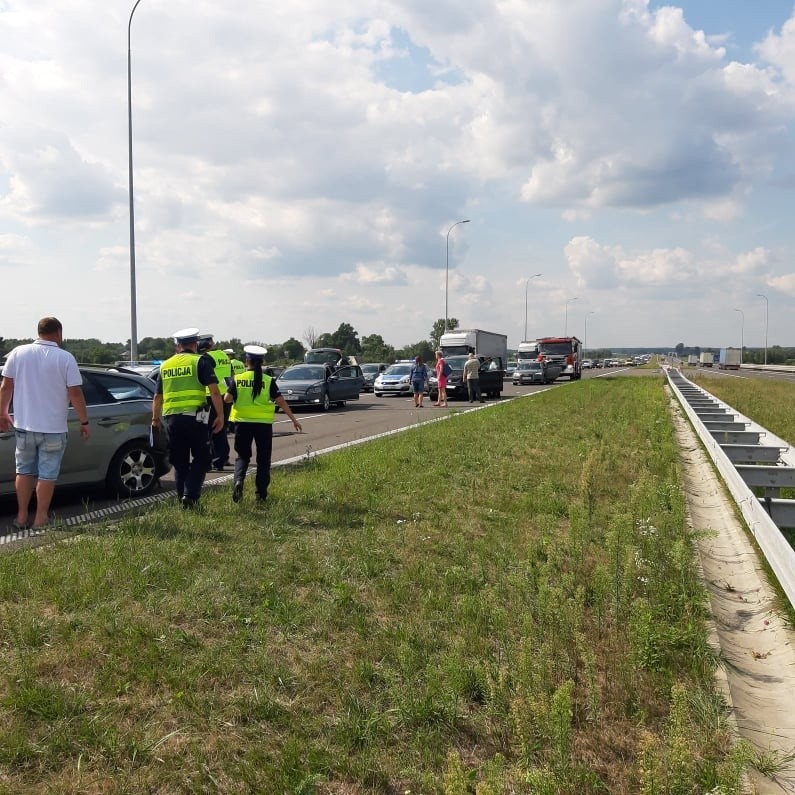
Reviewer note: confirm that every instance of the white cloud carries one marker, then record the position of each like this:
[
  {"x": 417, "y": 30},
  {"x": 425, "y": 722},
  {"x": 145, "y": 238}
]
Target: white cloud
[{"x": 276, "y": 163}]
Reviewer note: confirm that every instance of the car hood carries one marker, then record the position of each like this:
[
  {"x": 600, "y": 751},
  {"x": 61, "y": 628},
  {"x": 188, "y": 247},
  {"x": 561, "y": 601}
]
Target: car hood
[{"x": 297, "y": 386}]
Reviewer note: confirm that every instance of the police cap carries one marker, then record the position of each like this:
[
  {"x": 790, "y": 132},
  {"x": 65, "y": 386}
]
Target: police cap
[
  {"x": 254, "y": 351},
  {"x": 186, "y": 335},
  {"x": 229, "y": 351}
]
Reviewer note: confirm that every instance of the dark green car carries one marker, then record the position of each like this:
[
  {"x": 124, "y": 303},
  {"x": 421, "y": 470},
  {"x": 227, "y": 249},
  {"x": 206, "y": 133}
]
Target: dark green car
[{"x": 120, "y": 454}]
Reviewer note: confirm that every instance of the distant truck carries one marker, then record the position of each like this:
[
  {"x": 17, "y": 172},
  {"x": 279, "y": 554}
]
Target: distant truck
[
  {"x": 692, "y": 359},
  {"x": 730, "y": 359},
  {"x": 707, "y": 359},
  {"x": 490, "y": 348},
  {"x": 565, "y": 351},
  {"x": 527, "y": 351}
]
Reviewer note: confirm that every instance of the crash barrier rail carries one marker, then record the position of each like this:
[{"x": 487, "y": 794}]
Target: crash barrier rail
[{"x": 748, "y": 457}]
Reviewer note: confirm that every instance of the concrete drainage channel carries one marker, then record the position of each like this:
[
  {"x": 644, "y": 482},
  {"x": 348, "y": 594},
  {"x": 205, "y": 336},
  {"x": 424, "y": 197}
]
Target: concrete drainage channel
[{"x": 748, "y": 457}]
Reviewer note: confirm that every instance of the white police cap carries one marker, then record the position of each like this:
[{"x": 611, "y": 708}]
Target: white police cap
[
  {"x": 229, "y": 351},
  {"x": 185, "y": 334},
  {"x": 254, "y": 350}
]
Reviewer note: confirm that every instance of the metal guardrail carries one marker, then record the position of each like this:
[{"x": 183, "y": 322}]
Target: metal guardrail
[{"x": 747, "y": 456}]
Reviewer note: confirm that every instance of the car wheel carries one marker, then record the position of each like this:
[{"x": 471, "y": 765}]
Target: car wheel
[
  {"x": 341, "y": 404},
  {"x": 378, "y": 394},
  {"x": 133, "y": 471},
  {"x": 326, "y": 402}
]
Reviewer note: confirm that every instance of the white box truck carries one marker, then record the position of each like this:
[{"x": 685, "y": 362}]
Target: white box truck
[
  {"x": 706, "y": 359},
  {"x": 730, "y": 359},
  {"x": 488, "y": 346}
]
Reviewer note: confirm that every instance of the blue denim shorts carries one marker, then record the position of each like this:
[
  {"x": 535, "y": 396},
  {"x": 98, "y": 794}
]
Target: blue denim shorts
[{"x": 40, "y": 454}]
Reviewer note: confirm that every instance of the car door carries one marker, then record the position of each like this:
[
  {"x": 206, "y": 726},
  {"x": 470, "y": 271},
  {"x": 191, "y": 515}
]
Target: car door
[
  {"x": 349, "y": 382},
  {"x": 119, "y": 409}
]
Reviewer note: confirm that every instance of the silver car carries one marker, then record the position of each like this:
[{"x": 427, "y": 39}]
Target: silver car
[{"x": 120, "y": 453}]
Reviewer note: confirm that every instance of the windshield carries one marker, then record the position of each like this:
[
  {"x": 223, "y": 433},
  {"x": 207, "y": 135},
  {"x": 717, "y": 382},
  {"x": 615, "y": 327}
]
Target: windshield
[
  {"x": 371, "y": 368},
  {"x": 398, "y": 369},
  {"x": 555, "y": 348},
  {"x": 303, "y": 373},
  {"x": 322, "y": 356},
  {"x": 456, "y": 362},
  {"x": 529, "y": 366}
]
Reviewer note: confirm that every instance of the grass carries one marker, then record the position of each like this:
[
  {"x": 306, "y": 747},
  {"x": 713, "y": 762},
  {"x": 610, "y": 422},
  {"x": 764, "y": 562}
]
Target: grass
[
  {"x": 767, "y": 402},
  {"x": 504, "y": 602}
]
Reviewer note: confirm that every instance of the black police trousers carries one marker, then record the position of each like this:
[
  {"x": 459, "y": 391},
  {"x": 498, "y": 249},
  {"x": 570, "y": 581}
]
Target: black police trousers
[
  {"x": 189, "y": 453},
  {"x": 261, "y": 434}
]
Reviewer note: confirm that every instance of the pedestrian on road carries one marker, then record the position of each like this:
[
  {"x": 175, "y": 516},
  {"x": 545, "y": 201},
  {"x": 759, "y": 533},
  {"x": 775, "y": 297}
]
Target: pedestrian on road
[
  {"x": 254, "y": 396},
  {"x": 472, "y": 379},
  {"x": 441, "y": 379},
  {"x": 418, "y": 376},
  {"x": 42, "y": 379},
  {"x": 182, "y": 399}
]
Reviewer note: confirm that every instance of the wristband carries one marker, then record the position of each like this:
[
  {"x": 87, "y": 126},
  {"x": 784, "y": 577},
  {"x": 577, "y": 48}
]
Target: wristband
[{"x": 84, "y": 423}]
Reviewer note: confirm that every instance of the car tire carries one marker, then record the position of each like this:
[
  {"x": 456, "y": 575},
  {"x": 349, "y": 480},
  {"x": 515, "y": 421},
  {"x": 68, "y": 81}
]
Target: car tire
[
  {"x": 378, "y": 394},
  {"x": 326, "y": 403},
  {"x": 133, "y": 470}
]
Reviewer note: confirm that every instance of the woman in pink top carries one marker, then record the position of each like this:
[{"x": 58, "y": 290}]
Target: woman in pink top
[{"x": 442, "y": 379}]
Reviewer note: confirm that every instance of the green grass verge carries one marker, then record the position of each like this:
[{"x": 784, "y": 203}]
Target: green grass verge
[
  {"x": 767, "y": 402},
  {"x": 503, "y": 602}
]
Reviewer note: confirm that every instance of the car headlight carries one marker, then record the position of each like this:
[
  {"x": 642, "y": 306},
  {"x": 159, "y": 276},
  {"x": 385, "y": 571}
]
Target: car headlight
[
  {"x": 313, "y": 390},
  {"x": 404, "y": 380}
]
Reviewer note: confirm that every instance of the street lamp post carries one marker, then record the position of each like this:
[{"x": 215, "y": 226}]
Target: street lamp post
[
  {"x": 566, "y": 321},
  {"x": 585, "y": 335},
  {"x": 742, "y": 333},
  {"x": 767, "y": 315},
  {"x": 527, "y": 283},
  {"x": 133, "y": 307},
  {"x": 447, "y": 266}
]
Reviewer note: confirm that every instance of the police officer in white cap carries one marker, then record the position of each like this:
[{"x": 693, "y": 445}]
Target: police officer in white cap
[
  {"x": 254, "y": 397},
  {"x": 182, "y": 400}
]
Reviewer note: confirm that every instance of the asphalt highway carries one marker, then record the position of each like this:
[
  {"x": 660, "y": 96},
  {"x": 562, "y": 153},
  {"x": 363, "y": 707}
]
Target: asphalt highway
[{"x": 359, "y": 419}]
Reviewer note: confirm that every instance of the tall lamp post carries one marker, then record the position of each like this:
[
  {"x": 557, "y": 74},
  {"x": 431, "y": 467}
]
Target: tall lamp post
[
  {"x": 447, "y": 265},
  {"x": 133, "y": 307},
  {"x": 566, "y": 321},
  {"x": 767, "y": 314},
  {"x": 526, "y": 285},
  {"x": 585, "y": 335},
  {"x": 742, "y": 333}
]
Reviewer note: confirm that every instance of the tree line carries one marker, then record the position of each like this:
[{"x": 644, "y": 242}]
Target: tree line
[{"x": 368, "y": 348}]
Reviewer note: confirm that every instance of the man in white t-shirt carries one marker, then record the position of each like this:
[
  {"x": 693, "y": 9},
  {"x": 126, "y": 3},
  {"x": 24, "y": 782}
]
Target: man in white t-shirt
[{"x": 42, "y": 379}]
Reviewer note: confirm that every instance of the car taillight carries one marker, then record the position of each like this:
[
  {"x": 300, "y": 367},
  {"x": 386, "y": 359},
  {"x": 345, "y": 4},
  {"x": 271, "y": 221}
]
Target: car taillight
[{"x": 570, "y": 359}]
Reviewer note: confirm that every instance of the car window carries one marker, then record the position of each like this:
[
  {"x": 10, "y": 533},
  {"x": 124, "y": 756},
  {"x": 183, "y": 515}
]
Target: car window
[
  {"x": 114, "y": 389},
  {"x": 398, "y": 369}
]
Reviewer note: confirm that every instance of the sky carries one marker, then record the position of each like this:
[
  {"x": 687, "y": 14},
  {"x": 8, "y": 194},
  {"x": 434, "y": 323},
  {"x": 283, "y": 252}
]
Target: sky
[{"x": 301, "y": 165}]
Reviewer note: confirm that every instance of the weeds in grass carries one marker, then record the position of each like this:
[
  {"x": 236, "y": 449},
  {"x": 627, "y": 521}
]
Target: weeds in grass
[{"x": 522, "y": 615}]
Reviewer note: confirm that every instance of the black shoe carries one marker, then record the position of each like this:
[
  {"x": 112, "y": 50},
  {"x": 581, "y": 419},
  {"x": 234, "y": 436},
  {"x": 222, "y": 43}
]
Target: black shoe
[
  {"x": 188, "y": 504},
  {"x": 237, "y": 491}
]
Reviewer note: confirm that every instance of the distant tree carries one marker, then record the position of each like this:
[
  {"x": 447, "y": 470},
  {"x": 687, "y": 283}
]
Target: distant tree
[
  {"x": 680, "y": 349},
  {"x": 438, "y": 330},
  {"x": 292, "y": 349},
  {"x": 346, "y": 338},
  {"x": 155, "y": 348},
  {"x": 374, "y": 349},
  {"x": 311, "y": 337},
  {"x": 422, "y": 348}
]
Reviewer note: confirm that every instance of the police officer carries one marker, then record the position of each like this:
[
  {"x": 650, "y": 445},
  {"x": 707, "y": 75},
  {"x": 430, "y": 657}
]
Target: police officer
[
  {"x": 254, "y": 397},
  {"x": 237, "y": 365},
  {"x": 219, "y": 443},
  {"x": 181, "y": 398}
]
